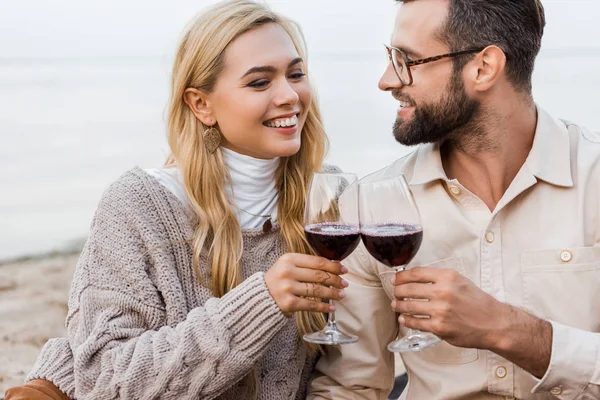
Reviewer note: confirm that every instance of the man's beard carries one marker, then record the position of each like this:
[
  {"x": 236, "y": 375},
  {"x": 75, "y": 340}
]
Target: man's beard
[{"x": 447, "y": 119}]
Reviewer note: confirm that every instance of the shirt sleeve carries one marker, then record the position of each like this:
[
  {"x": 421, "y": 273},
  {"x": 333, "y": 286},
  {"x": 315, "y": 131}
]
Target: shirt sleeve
[
  {"x": 574, "y": 370},
  {"x": 362, "y": 370}
]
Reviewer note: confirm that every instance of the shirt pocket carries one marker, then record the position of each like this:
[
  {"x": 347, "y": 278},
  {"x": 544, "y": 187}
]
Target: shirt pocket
[
  {"x": 443, "y": 353},
  {"x": 563, "y": 285}
]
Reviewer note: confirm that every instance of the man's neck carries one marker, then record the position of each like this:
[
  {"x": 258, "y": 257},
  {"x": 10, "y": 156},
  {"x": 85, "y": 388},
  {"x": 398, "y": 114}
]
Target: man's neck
[{"x": 487, "y": 158}]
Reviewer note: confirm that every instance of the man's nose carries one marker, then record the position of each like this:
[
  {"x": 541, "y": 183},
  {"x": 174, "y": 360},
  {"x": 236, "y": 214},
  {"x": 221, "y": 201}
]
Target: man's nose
[{"x": 389, "y": 80}]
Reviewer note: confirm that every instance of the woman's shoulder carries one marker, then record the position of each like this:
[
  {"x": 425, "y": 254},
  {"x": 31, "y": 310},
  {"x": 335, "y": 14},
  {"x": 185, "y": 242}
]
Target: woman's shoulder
[
  {"x": 135, "y": 191},
  {"x": 130, "y": 184}
]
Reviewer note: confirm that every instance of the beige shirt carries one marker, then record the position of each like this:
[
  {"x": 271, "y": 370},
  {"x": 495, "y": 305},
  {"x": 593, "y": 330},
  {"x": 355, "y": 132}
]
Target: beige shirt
[{"x": 538, "y": 250}]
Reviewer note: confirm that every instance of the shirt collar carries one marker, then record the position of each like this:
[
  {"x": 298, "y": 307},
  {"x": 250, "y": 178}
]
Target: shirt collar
[
  {"x": 548, "y": 160},
  {"x": 550, "y": 156},
  {"x": 428, "y": 165}
]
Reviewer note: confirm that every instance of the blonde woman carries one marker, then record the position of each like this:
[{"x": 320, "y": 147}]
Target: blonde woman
[{"x": 197, "y": 281}]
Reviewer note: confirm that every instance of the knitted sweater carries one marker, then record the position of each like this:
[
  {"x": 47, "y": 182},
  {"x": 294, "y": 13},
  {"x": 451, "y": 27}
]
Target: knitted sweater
[{"x": 141, "y": 324}]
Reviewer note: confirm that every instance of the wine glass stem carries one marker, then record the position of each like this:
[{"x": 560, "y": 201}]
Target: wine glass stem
[
  {"x": 331, "y": 319},
  {"x": 410, "y": 332}
]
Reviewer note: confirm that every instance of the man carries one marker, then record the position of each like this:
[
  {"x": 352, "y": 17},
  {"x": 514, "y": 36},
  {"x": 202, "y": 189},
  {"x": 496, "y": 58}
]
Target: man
[{"x": 510, "y": 204}]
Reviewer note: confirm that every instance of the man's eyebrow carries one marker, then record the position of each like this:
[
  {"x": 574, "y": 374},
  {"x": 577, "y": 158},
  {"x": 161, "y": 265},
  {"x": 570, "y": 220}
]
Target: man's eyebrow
[{"x": 268, "y": 68}]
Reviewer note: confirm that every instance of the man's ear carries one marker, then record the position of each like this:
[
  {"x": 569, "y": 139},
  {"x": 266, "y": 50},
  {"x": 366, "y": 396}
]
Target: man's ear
[
  {"x": 487, "y": 68},
  {"x": 198, "y": 102}
]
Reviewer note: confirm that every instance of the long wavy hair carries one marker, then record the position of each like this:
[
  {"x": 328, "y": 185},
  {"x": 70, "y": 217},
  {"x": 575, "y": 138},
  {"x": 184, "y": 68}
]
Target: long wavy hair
[{"x": 198, "y": 63}]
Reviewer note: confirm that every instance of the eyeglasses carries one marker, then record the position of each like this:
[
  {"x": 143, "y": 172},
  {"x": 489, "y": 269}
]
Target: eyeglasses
[{"x": 402, "y": 63}]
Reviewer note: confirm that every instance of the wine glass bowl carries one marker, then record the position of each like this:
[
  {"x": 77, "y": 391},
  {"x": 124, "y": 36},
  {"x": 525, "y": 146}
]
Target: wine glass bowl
[
  {"x": 331, "y": 229},
  {"x": 392, "y": 244},
  {"x": 392, "y": 233},
  {"x": 331, "y": 240}
]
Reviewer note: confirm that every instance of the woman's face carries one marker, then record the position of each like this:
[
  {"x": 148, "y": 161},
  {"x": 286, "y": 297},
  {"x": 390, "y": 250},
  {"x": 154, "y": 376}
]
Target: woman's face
[{"x": 261, "y": 98}]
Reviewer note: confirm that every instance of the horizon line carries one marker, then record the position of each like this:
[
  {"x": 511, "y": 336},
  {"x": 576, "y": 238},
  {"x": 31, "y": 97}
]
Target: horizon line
[{"x": 6, "y": 60}]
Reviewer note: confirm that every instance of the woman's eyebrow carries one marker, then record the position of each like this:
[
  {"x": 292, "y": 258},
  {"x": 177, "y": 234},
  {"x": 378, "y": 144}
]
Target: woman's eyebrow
[{"x": 268, "y": 68}]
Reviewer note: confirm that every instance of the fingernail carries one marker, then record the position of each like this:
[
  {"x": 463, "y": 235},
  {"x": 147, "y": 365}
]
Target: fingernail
[
  {"x": 393, "y": 278},
  {"x": 344, "y": 270},
  {"x": 342, "y": 294},
  {"x": 331, "y": 307},
  {"x": 345, "y": 283},
  {"x": 394, "y": 304},
  {"x": 401, "y": 320}
]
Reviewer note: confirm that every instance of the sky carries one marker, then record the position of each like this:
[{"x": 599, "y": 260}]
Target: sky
[{"x": 148, "y": 28}]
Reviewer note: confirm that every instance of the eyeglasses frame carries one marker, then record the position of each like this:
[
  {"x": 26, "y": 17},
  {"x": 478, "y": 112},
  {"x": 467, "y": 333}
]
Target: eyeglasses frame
[{"x": 412, "y": 63}]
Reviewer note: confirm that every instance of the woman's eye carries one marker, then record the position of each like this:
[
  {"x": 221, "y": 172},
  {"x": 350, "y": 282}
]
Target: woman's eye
[
  {"x": 261, "y": 83},
  {"x": 297, "y": 75}
]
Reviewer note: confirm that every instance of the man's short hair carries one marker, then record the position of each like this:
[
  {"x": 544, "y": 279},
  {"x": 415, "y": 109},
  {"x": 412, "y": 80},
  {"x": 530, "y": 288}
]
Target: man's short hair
[{"x": 515, "y": 26}]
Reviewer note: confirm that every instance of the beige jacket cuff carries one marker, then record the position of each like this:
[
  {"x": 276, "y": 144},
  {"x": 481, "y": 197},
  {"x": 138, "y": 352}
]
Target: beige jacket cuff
[{"x": 574, "y": 363}]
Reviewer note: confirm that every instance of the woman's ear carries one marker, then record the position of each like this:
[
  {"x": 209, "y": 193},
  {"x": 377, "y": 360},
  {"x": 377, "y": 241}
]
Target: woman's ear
[{"x": 198, "y": 102}]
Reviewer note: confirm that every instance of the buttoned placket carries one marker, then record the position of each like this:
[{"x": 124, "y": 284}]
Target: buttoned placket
[{"x": 500, "y": 372}]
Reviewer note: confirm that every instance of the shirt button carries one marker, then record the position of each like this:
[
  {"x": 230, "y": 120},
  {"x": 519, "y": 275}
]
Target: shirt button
[
  {"x": 455, "y": 190},
  {"x": 555, "y": 391},
  {"x": 566, "y": 256},
  {"x": 490, "y": 237},
  {"x": 500, "y": 372}
]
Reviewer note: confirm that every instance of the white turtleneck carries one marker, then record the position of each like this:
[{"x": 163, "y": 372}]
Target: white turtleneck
[{"x": 253, "y": 188}]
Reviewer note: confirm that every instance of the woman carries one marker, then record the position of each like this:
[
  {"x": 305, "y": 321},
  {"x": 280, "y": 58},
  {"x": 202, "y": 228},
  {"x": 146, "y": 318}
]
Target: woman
[{"x": 183, "y": 289}]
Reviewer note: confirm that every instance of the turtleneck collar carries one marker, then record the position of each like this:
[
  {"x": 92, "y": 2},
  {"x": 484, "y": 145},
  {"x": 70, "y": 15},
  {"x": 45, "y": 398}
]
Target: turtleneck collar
[
  {"x": 254, "y": 194},
  {"x": 253, "y": 181},
  {"x": 252, "y": 178}
]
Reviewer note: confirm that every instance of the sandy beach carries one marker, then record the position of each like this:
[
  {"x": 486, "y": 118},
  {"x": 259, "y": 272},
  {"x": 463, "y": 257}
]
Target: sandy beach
[{"x": 33, "y": 307}]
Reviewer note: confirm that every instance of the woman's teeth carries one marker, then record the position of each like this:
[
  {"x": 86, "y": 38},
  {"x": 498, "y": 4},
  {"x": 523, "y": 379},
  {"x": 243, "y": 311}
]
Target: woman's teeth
[{"x": 282, "y": 123}]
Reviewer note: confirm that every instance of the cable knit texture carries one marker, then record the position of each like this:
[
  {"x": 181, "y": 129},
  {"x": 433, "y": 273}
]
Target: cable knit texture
[{"x": 142, "y": 325}]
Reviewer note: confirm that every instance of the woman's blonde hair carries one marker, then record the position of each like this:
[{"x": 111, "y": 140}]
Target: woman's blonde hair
[{"x": 198, "y": 63}]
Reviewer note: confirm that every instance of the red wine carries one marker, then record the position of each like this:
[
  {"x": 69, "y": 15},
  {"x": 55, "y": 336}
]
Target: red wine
[
  {"x": 332, "y": 240},
  {"x": 392, "y": 244}
]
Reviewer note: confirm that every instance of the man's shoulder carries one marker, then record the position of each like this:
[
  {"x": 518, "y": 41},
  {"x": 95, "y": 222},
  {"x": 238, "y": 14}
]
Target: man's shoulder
[
  {"x": 404, "y": 165},
  {"x": 588, "y": 135},
  {"x": 585, "y": 147}
]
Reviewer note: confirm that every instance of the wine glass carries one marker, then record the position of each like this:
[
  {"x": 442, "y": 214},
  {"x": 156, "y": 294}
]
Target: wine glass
[
  {"x": 331, "y": 229},
  {"x": 391, "y": 231}
]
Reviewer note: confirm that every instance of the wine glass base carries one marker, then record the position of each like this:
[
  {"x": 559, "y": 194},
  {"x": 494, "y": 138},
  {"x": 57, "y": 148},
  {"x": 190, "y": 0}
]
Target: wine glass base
[
  {"x": 331, "y": 337},
  {"x": 411, "y": 343}
]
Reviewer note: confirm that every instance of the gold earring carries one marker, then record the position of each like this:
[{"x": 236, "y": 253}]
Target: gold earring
[{"x": 212, "y": 139}]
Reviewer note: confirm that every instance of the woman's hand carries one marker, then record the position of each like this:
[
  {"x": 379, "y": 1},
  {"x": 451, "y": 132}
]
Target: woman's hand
[{"x": 295, "y": 277}]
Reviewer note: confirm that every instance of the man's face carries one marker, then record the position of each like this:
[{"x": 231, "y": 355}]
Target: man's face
[{"x": 436, "y": 105}]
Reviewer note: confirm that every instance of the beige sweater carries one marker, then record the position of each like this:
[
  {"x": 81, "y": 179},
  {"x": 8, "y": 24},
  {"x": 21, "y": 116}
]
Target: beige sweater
[{"x": 142, "y": 326}]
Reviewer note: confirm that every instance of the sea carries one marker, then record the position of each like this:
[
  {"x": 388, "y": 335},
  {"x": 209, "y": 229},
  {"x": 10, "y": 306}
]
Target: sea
[{"x": 70, "y": 126}]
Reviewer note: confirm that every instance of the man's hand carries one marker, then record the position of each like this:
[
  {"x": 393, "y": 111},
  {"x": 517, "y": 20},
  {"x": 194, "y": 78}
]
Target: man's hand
[
  {"x": 460, "y": 312},
  {"x": 463, "y": 315}
]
